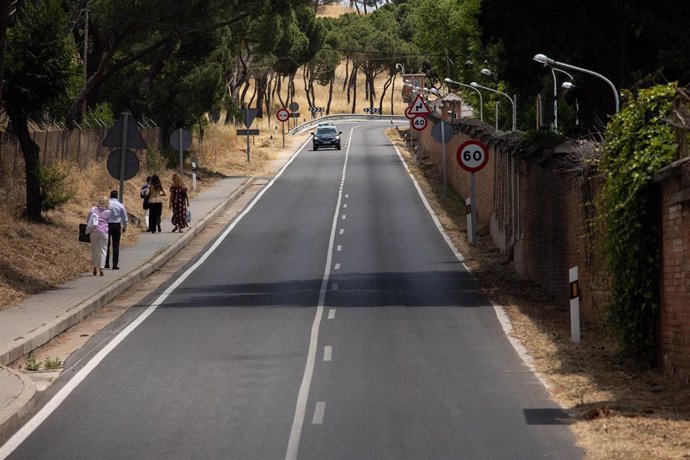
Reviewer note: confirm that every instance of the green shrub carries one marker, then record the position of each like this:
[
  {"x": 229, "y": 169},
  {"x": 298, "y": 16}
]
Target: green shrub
[
  {"x": 638, "y": 143},
  {"x": 31, "y": 364},
  {"x": 52, "y": 180}
]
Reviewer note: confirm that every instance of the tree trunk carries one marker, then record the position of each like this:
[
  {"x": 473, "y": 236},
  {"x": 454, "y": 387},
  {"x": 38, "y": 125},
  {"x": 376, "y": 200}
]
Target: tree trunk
[
  {"x": 330, "y": 95},
  {"x": 353, "y": 82},
  {"x": 32, "y": 160},
  {"x": 383, "y": 95},
  {"x": 251, "y": 99},
  {"x": 277, "y": 88},
  {"x": 244, "y": 93},
  {"x": 347, "y": 75},
  {"x": 372, "y": 89},
  {"x": 261, "y": 85},
  {"x": 305, "y": 79},
  {"x": 4, "y": 16}
]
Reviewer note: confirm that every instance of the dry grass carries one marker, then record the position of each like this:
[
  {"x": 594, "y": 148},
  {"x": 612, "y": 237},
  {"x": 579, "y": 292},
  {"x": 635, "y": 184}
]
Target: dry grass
[
  {"x": 620, "y": 409},
  {"x": 333, "y": 11}
]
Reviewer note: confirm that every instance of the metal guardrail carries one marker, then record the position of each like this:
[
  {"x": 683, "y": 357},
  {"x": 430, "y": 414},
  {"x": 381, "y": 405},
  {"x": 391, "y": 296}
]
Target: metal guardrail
[{"x": 346, "y": 117}]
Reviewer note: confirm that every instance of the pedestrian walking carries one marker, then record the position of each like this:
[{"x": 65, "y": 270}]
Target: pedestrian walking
[
  {"x": 179, "y": 201},
  {"x": 117, "y": 225},
  {"x": 99, "y": 233},
  {"x": 155, "y": 193},
  {"x": 143, "y": 193}
]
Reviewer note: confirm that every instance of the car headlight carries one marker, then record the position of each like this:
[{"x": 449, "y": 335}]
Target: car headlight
[{"x": 337, "y": 138}]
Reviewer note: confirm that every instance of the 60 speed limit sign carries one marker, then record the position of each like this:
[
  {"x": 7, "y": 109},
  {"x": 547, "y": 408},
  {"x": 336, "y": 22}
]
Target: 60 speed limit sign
[{"x": 473, "y": 155}]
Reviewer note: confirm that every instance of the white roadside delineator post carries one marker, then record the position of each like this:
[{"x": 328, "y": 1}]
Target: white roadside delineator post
[
  {"x": 470, "y": 226},
  {"x": 574, "y": 305}
]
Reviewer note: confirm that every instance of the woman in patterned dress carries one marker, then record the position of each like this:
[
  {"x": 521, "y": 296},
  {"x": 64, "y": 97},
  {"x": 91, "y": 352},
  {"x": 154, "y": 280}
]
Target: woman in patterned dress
[{"x": 178, "y": 203}]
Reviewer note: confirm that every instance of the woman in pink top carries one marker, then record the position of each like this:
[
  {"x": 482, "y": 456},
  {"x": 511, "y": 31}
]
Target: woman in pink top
[{"x": 99, "y": 234}]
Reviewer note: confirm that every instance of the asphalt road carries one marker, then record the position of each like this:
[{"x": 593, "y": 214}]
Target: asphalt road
[{"x": 332, "y": 322}]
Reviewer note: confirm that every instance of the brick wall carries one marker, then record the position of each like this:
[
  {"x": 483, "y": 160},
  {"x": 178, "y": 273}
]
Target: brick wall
[
  {"x": 535, "y": 209},
  {"x": 674, "y": 331},
  {"x": 540, "y": 209}
]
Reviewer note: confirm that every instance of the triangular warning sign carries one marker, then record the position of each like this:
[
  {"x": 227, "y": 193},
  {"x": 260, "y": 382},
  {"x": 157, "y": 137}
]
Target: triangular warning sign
[
  {"x": 114, "y": 137},
  {"x": 419, "y": 107},
  {"x": 248, "y": 116}
]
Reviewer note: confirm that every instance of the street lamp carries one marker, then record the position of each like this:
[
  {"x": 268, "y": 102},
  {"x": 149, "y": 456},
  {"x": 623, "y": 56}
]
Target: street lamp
[
  {"x": 477, "y": 85},
  {"x": 542, "y": 59},
  {"x": 555, "y": 92},
  {"x": 481, "y": 102}
]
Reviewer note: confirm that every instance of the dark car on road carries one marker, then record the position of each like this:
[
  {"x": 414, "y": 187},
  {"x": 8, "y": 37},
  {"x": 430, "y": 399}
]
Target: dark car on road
[{"x": 326, "y": 136}]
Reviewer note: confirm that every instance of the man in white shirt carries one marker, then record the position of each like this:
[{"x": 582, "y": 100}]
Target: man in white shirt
[{"x": 117, "y": 225}]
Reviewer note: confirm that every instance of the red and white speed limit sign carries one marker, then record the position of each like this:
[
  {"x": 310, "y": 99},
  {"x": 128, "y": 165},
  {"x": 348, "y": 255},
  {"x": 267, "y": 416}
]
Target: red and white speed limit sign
[
  {"x": 283, "y": 115},
  {"x": 408, "y": 115},
  {"x": 419, "y": 123},
  {"x": 473, "y": 155}
]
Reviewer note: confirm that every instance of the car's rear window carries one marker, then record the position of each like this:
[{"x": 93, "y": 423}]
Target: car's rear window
[{"x": 327, "y": 130}]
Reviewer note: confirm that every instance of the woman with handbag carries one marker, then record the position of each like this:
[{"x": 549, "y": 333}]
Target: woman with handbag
[
  {"x": 155, "y": 193},
  {"x": 97, "y": 229},
  {"x": 179, "y": 201}
]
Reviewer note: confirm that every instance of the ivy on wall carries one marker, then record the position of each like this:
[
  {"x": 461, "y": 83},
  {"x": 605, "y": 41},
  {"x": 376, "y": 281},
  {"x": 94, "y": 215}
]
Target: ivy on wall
[{"x": 638, "y": 143}]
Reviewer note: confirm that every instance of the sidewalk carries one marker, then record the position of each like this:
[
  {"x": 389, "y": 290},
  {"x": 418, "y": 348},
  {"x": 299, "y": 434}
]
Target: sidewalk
[{"x": 43, "y": 316}]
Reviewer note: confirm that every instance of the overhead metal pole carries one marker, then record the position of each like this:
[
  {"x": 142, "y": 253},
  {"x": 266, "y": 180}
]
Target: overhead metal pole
[
  {"x": 542, "y": 59},
  {"x": 477, "y": 85},
  {"x": 481, "y": 102}
]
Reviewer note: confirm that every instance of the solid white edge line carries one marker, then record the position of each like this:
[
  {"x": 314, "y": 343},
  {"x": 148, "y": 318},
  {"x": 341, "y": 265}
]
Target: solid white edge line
[
  {"x": 25, "y": 431},
  {"x": 501, "y": 315},
  {"x": 303, "y": 395}
]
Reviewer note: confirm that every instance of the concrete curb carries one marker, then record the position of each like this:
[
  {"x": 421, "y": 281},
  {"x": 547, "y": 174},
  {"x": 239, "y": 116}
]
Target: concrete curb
[{"x": 12, "y": 415}]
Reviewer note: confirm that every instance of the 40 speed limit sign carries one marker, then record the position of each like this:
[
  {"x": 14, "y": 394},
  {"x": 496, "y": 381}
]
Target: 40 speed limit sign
[
  {"x": 419, "y": 123},
  {"x": 473, "y": 156}
]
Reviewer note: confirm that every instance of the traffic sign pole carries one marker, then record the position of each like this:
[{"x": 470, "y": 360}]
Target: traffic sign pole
[
  {"x": 179, "y": 141},
  {"x": 123, "y": 157},
  {"x": 470, "y": 227},
  {"x": 247, "y": 125},
  {"x": 472, "y": 235}
]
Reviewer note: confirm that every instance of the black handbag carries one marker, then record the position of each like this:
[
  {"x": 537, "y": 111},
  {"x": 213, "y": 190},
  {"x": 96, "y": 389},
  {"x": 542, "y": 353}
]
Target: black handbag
[{"x": 83, "y": 236}]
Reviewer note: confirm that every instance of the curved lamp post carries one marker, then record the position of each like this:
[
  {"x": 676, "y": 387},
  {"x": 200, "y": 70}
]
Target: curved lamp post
[
  {"x": 477, "y": 85},
  {"x": 542, "y": 59},
  {"x": 481, "y": 102},
  {"x": 555, "y": 92}
]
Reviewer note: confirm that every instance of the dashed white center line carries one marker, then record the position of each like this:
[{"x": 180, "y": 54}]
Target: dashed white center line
[
  {"x": 344, "y": 216},
  {"x": 328, "y": 353},
  {"x": 347, "y": 196},
  {"x": 331, "y": 313},
  {"x": 337, "y": 267},
  {"x": 345, "y": 205},
  {"x": 335, "y": 286},
  {"x": 319, "y": 413},
  {"x": 342, "y": 230},
  {"x": 339, "y": 248}
]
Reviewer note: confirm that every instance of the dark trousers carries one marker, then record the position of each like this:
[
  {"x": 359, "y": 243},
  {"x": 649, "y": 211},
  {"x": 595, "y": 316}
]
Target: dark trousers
[
  {"x": 155, "y": 211},
  {"x": 114, "y": 234}
]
